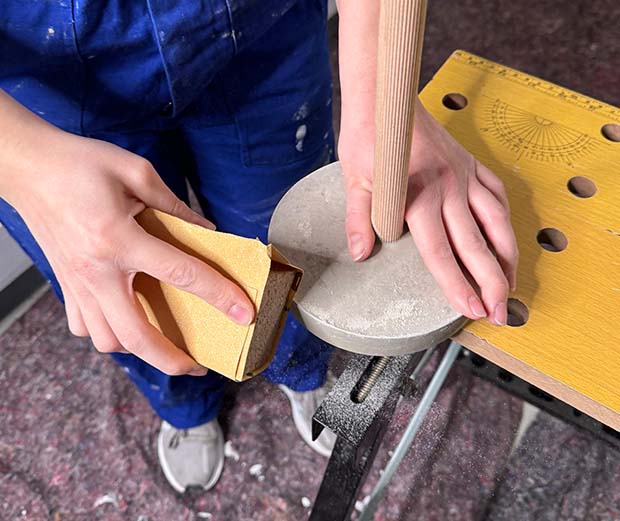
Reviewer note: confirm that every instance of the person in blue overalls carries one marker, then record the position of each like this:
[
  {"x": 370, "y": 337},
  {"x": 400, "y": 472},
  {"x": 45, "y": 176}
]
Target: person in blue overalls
[{"x": 110, "y": 107}]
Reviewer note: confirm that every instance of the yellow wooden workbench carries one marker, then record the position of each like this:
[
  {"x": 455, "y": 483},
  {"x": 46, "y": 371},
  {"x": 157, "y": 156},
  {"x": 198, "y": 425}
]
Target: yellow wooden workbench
[{"x": 558, "y": 154}]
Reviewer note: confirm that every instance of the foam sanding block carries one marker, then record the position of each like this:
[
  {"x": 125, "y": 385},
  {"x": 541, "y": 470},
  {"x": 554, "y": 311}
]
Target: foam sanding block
[{"x": 214, "y": 341}]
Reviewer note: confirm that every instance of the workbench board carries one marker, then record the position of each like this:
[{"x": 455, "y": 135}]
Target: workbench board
[{"x": 537, "y": 137}]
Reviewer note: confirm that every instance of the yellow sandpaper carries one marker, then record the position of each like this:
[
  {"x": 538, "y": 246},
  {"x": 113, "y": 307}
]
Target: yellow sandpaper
[
  {"x": 536, "y": 137},
  {"x": 189, "y": 322}
]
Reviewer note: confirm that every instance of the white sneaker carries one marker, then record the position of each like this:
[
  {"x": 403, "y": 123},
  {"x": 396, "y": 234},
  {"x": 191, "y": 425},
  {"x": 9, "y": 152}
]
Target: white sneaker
[
  {"x": 191, "y": 457},
  {"x": 303, "y": 406}
]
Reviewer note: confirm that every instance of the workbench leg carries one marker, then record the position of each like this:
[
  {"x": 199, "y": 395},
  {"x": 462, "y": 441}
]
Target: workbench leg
[{"x": 429, "y": 396}]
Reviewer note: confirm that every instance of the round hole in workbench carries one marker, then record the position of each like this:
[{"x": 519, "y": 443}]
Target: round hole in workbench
[
  {"x": 552, "y": 240},
  {"x": 581, "y": 186},
  {"x": 518, "y": 314},
  {"x": 454, "y": 101},
  {"x": 612, "y": 132}
]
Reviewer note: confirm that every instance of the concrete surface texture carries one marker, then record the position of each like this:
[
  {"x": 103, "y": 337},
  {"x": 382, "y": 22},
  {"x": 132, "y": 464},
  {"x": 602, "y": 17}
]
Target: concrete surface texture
[
  {"x": 387, "y": 305},
  {"x": 77, "y": 441}
]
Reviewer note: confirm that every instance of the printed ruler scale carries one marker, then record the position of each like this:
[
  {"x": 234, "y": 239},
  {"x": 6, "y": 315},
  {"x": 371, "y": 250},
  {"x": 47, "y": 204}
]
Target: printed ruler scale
[
  {"x": 558, "y": 155},
  {"x": 541, "y": 86}
]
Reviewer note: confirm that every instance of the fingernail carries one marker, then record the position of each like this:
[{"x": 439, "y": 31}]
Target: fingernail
[
  {"x": 513, "y": 286},
  {"x": 200, "y": 220},
  {"x": 199, "y": 371},
  {"x": 240, "y": 314},
  {"x": 476, "y": 307},
  {"x": 356, "y": 246},
  {"x": 500, "y": 314},
  {"x": 206, "y": 223}
]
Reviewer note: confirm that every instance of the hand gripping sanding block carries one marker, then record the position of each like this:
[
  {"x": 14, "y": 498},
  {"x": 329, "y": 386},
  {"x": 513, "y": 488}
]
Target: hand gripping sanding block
[{"x": 212, "y": 339}]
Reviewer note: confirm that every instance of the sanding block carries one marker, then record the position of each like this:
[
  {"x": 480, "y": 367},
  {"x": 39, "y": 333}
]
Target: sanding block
[{"x": 212, "y": 339}]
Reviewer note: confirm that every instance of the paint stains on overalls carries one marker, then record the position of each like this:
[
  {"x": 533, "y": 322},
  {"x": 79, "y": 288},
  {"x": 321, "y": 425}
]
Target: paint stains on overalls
[{"x": 232, "y": 95}]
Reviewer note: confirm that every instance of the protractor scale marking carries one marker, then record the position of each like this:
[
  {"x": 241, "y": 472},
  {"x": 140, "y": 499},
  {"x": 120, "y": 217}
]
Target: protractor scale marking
[{"x": 532, "y": 136}]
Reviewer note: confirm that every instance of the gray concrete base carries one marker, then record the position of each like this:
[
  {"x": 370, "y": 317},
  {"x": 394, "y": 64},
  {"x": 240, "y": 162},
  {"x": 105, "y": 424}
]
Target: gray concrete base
[{"x": 387, "y": 305}]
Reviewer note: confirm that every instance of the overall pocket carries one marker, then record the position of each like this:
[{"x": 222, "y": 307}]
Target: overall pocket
[
  {"x": 279, "y": 89},
  {"x": 284, "y": 131}
]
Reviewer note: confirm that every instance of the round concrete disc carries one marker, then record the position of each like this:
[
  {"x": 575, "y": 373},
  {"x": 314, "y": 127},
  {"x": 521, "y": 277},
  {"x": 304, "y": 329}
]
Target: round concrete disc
[{"x": 387, "y": 305}]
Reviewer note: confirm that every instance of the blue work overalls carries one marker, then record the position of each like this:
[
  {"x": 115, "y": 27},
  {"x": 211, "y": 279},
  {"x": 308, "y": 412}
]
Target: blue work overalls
[{"x": 214, "y": 92}]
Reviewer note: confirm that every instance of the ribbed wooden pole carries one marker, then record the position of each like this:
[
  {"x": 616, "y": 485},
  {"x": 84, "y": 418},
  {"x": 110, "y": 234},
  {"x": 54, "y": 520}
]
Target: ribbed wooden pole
[{"x": 401, "y": 34}]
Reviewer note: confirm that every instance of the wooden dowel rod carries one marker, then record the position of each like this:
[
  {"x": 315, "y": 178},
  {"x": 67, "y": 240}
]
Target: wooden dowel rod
[{"x": 401, "y": 33}]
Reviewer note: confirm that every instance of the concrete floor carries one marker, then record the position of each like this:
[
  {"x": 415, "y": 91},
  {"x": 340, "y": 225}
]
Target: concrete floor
[{"x": 77, "y": 439}]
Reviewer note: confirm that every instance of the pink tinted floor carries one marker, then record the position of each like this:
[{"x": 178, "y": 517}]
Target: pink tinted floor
[{"x": 77, "y": 442}]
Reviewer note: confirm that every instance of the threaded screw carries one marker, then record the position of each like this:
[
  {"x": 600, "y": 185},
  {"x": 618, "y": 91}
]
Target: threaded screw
[{"x": 379, "y": 365}]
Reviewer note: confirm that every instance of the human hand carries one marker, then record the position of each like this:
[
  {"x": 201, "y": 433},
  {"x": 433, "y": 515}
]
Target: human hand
[
  {"x": 454, "y": 206},
  {"x": 79, "y": 199}
]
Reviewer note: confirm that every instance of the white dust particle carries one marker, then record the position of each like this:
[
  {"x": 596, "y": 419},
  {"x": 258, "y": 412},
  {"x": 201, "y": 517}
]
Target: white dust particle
[
  {"x": 361, "y": 505},
  {"x": 305, "y": 502},
  {"x": 105, "y": 499},
  {"x": 230, "y": 452},
  {"x": 205, "y": 515},
  {"x": 256, "y": 470}
]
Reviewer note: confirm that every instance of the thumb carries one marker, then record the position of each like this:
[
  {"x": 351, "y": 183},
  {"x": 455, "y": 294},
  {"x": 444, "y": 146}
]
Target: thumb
[{"x": 360, "y": 234}]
